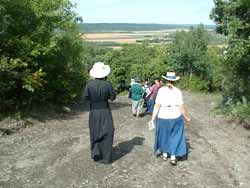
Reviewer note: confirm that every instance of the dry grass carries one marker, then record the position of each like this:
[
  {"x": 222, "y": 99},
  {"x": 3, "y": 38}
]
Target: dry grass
[
  {"x": 111, "y": 37},
  {"x": 129, "y": 37},
  {"x": 218, "y": 45},
  {"x": 122, "y": 37}
]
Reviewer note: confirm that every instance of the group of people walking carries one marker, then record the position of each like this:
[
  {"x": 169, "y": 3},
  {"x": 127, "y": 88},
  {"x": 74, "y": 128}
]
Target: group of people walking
[
  {"x": 164, "y": 101},
  {"x": 143, "y": 94}
]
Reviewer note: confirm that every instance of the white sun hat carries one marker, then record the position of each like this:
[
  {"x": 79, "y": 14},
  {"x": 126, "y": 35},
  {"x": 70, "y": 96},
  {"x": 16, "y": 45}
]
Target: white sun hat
[
  {"x": 99, "y": 70},
  {"x": 170, "y": 76}
]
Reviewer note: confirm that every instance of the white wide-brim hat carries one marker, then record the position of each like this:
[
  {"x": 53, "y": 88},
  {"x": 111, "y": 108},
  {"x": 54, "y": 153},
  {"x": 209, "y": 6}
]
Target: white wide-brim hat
[
  {"x": 99, "y": 70},
  {"x": 170, "y": 76}
]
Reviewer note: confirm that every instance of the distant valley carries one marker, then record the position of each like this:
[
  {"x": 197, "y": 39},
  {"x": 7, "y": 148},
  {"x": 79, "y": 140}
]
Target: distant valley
[{"x": 116, "y": 34}]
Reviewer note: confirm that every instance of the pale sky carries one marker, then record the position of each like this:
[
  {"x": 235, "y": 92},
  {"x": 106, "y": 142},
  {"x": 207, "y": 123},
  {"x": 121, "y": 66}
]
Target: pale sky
[{"x": 145, "y": 11}]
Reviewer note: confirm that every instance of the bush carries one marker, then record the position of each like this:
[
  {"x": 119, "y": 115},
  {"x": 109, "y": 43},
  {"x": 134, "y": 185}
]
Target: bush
[
  {"x": 236, "y": 71},
  {"x": 40, "y": 53},
  {"x": 242, "y": 111},
  {"x": 232, "y": 21},
  {"x": 239, "y": 111},
  {"x": 193, "y": 84}
]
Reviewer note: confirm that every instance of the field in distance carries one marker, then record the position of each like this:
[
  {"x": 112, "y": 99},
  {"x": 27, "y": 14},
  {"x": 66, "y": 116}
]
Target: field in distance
[
  {"x": 115, "y": 35},
  {"x": 130, "y": 37}
]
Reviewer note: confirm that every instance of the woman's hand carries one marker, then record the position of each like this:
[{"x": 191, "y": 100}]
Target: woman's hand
[
  {"x": 151, "y": 125},
  {"x": 184, "y": 113},
  {"x": 155, "y": 111},
  {"x": 187, "y": 119}
]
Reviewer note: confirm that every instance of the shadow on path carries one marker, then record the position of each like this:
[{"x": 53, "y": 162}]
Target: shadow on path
[
  {"x": 5, "y": 131},
  {"x": 126, "y": 147},
  {"x": 53, "y": 112},
  {"x": 189, "y": 150}
]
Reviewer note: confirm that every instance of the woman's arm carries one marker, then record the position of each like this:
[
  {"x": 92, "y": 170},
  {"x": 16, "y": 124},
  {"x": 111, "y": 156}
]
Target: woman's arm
[
  {"x": 184, "y": 113},
  {"x": 155, "y": 111},
  {"x": 112, "y": 94},
  {"x": 86, "y": 93}
]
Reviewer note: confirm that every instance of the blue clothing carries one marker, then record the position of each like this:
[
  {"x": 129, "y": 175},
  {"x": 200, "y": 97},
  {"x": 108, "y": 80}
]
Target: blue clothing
[
  {"x": 151, "y": 101},
  {"x": 170, "y": 137},
  {"x": 150, "y": 105}
]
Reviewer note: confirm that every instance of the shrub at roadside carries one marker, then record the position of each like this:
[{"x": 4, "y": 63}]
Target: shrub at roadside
[
  {"x": 40, "y": 53},
  {"x": 232, "y": 19}
]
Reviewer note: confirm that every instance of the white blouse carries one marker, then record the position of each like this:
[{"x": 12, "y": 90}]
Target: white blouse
[{"x": 170, "y": 100}]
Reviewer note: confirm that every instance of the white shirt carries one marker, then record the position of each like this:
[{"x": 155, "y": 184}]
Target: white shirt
[
  {"x": 146, "y": 89},
  {"x": 170, "y": 100}
]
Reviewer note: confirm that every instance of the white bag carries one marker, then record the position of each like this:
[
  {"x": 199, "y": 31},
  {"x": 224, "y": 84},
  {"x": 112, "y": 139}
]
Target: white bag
[{"x": 151, "y": 125}]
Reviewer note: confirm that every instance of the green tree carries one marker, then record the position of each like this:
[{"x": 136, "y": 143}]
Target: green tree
[
  {"x": 189, "y": 57},
  {"x": 119, "y": 70},
  {"x": 189, "y": 52},
  {"x": 216, "y": 75},
  {"x": 233, "y": 19},
  {"x": 128, "y": 62},
  {"x": 40, "y": 52}
]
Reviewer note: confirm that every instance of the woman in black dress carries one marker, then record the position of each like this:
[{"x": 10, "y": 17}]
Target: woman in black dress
[{"x": 98, "y": 91}]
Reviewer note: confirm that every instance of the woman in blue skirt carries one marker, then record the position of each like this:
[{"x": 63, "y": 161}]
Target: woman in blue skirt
[{"x": 170, "y": 113}]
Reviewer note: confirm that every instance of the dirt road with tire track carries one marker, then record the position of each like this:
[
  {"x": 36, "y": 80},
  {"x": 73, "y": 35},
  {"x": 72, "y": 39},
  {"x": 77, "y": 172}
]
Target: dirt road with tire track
[{"x": 54, "y": 152}]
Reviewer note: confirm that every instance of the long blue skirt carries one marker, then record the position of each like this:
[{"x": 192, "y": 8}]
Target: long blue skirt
[{"x": 170, "y": 137}]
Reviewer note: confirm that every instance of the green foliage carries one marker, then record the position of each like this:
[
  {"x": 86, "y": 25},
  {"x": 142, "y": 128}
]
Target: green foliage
[
  {"x": 239, "y": 110},
  {"x": 124, "y": 93},
  {"x": 216, "y": 72},
  {"x": 67, "y": 74},
  {"x": 193, "y": 84},
  {"x": 40, "y": 53},
  {"x": 118, "y": 71},
  {"x": 233, "y": 19},
  {"x": 43, "y": 58},
  {"x": 236, "y": 69},
  {"x": 189, "y": 52},
  {"x": 191, "y": 58},
  {"x": 135, "y": 60},
  {"x": 217, "y": 39}
]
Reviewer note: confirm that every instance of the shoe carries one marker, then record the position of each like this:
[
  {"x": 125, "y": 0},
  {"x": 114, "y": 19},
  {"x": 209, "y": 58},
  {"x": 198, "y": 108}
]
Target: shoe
[
  {"x": 173, "y": 162},
  {"x": 158, "y": 154},
  {"x": 164, "y": 158}
]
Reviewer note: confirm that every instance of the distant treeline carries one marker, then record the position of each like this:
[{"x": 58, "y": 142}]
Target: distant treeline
[{"x": 114, "y": 27}]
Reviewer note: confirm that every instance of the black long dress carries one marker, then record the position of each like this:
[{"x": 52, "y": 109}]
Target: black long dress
[{"x": 101, "y": 127}]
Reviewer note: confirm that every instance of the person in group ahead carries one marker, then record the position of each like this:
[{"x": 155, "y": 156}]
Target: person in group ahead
[
  {"x": 137, "y": 97},
  {"x": 152, "y": 95},
  {"x": 146, "y": 89},
  {"x": 169, "y": 113},
  {"x": 98, "y": 91},
  {"x": 132, "y": 81}
]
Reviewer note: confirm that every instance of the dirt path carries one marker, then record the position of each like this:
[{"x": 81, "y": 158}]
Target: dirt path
[{"x": 54, "y": 153}]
